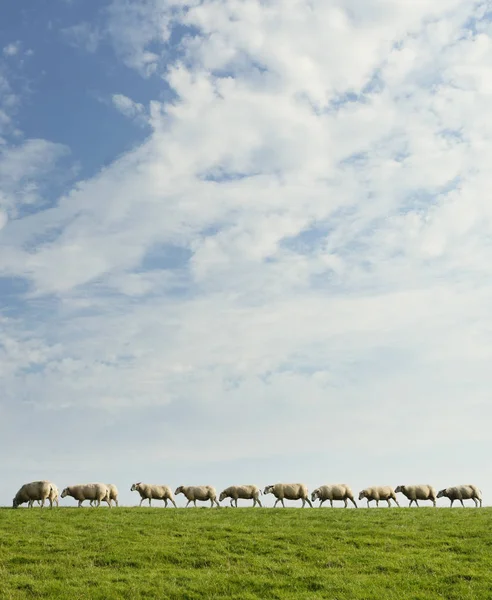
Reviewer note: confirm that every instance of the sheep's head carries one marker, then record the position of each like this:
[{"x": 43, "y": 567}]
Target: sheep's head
[
  {"x": 179, "y": 490},
  {"x": 315, "y": 495},
  {"x": 134, "y": 487},
  {"x": 65, "y": 492},
  {"x": 222, "y": 496},
  {"x": 15, "y": 503},
  {"x": 399, "y": 489},
  {"x": 442, "y": 494},
  {"x": 268, "y": 489},
  {"x": 362, "y": 494}
]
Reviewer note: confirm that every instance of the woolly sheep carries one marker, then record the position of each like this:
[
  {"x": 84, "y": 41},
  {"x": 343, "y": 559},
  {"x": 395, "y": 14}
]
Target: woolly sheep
[
  {"x": 462, "y": 492},
  {"x": 288, "y": 491},
  {"x": 88, "y": 491},
  {"x": 379, "y": 493},
  {"x": 417, "y": 492},
  {"x": 54, "y": 495},
  {"x": 198, "y": 492},
  {"x": 36, "y": 490},
  {"x": 244, "y": 492},
  {"x": 151, "y": 492},
  {"x": 339, "y": 491},
  {"x": 113, "y": 494}
]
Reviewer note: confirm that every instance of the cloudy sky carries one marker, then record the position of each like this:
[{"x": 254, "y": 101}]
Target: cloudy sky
[{"x": 245, "y": 241}]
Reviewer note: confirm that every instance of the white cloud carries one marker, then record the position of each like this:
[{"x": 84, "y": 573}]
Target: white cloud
[
  {"x": 12, "y": 49},
  {"x": 128, "y": 107},
  {"x": 301, "y": 246}
]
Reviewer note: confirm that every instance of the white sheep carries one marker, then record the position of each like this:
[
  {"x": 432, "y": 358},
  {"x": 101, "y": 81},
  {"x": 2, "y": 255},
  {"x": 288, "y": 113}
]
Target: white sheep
[
  {"x": 151, "y": 492},
  {"x": 88, "y": 491},
  {"x": 417, "y": 492},
  {"x": 198, "y": 492},
  {"x": 113, "y": 494},
  {"x": 288, "y": 491},
  {"x": 243, "y": 492},
  {"x": 462, "y": 492},
  {"x": 54, "y": 495},
  {"x": 379, "y": 493},
  {"x": 36, "y": 490},
  {"x": 339, "y": 491}
]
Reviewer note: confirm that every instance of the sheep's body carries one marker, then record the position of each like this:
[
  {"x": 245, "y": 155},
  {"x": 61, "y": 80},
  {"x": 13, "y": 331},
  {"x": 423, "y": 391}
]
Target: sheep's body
[
  {"x": 54, "y": 495},
  {"x": 338, "y": 491},
  {"x": 378, "y": 493},
  {"x": 243, "y": 492},
  {"x": 151, "y": 492},
  {"x": 88, "y": 491},
  {"x": 113, "y": 494},
  {"x": 36, "y": 490},
  {"x": 417, "y": 492},
  {"x": 462, "y": 492},
  {"x": 198, "y": 492},
  {"x": 288, "y": 491}
]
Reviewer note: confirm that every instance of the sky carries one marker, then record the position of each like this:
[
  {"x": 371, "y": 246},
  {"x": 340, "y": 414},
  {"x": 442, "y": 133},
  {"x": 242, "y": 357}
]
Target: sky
[{"x": 245, "y": 241}]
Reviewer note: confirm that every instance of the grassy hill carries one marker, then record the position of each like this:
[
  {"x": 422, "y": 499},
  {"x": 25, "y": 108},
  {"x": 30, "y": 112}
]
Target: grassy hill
[{"x": 246, "y": 553}]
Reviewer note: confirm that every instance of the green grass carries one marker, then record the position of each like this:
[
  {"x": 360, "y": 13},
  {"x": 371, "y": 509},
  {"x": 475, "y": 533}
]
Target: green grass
[{"x": 246, "y": 553}]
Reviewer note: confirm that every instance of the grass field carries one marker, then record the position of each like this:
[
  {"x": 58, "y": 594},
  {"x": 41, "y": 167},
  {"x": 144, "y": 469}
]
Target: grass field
[{"x": 246, "y": 553}]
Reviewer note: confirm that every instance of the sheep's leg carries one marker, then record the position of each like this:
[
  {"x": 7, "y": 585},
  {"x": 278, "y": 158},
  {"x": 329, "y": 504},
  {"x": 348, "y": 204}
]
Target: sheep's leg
[
  {"x": 476, "y": 502},
  {"x": 98, "y": 503},
  {"x": 396, "y": 501},
  {"x": 321, "y": 502},
  {"x": 165, "y": 502},
  {"x": 461, "y": 500},
  {"x": 258, "y": 500},
  {"x": 331, "y": 503},
  {"x": 80, "y": 504},
  {"x": 345, "y": 503},
  {"x": 452, "y": 502},
  {"x": 480, "y": 502},
  {"x": 150, "y": 502},
  {"x": 416, "y": 502},
  {"x": 194, "y": 502},
  {"x": 410, "y": 504},
  {"x": 368, "y": 503},
  {"x": 353, "y": 502},
  {"x": 309, "y": 502},
  {"x": 388, "y": 501},
  {"x": 187, "y": 503},
  {"x": 277, "y": 500},
  {"x": 377, "y": 503},
  {"x": 433, "y": 502},
  {"x": 173, "y": 502}
]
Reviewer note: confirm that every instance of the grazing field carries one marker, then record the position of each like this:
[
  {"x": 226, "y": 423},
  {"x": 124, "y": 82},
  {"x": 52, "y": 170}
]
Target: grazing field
[{"x": 246, "y": 553}]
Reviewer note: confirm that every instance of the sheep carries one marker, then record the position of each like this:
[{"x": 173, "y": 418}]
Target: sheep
[
  {"x": 462, "y": 492},
  {"x": 245, "y": 492},
  {"x": 36, "y": 490},
  {"x": 289, "y": 491},
  {"x": 378, "y": 493},
  {"x": 417, "y": 492},
  {"x": 200, "y": 492},
  {"x": 54, "y": 495},
  {"x": 340, "y": 491},
  {"x": 153, "y": 492},
  {"x": 88, "y": 491},
  {"x": 113, "y": 494}
]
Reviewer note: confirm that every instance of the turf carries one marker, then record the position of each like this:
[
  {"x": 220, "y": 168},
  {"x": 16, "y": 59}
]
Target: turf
[{"x": 246, "y": 553}]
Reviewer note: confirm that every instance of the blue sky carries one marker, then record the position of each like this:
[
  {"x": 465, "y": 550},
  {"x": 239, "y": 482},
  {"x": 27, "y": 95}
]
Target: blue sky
[{"x": 245, "y": 243}]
